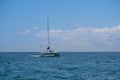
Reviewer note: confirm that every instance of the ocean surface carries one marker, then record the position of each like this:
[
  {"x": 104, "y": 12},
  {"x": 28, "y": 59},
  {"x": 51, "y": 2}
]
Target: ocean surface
[{"x": 70, "y": 66}]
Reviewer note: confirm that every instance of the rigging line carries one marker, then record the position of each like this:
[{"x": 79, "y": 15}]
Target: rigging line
[{"x": 48, "y": 32}]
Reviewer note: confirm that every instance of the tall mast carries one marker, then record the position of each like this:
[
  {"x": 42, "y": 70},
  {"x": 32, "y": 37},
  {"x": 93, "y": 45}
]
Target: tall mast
[{"x": 48, "y": 32}]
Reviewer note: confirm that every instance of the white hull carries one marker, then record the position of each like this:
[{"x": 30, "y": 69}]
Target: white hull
[{"x": 50, "y": 55}]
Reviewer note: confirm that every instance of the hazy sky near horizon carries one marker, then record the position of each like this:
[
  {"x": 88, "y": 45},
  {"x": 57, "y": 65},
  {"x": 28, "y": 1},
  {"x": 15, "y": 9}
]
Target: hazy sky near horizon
[{"x": 75, "y": 25}]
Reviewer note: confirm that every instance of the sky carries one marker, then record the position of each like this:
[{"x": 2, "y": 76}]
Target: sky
[{"x": 75, "y": 25}]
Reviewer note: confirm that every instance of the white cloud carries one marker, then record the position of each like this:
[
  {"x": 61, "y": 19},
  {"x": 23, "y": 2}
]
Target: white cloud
[
  {"x": 88, "y": 37},
  {"x": 81, "y": 38},
  {"x": 104, "y": 32},
  {"x": 25, "y": 32},
  {"x": 28, "y": 31},
  {"x": 41, "y": 34}
]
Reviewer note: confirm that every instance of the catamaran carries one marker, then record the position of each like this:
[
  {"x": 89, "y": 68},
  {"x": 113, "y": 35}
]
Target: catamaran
[{"x": 49, "y": 52}]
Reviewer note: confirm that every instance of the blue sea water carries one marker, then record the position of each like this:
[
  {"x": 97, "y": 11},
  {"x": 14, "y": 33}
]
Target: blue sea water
[{"x": 70, "y": 66}]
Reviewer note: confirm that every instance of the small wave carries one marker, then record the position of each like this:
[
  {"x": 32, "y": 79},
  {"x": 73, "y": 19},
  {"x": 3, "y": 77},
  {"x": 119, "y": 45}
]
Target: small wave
[
  {"x": 35, "y": 55},
  {"x": 69, "y": 68}
]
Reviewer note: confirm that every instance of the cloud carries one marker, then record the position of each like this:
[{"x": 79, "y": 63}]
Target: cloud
[
  {"x": 36, "y": 28},
  {"x": 25, "y": 32},
  {"x": 88, "y": 37},
  {"x": 28, "y": 31},
  {"x": 80, "y": 38},
  {"x": 83, "y": 32}
]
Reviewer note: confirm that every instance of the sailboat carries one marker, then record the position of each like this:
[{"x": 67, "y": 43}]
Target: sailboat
[{"x": 49, "y": 52}]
